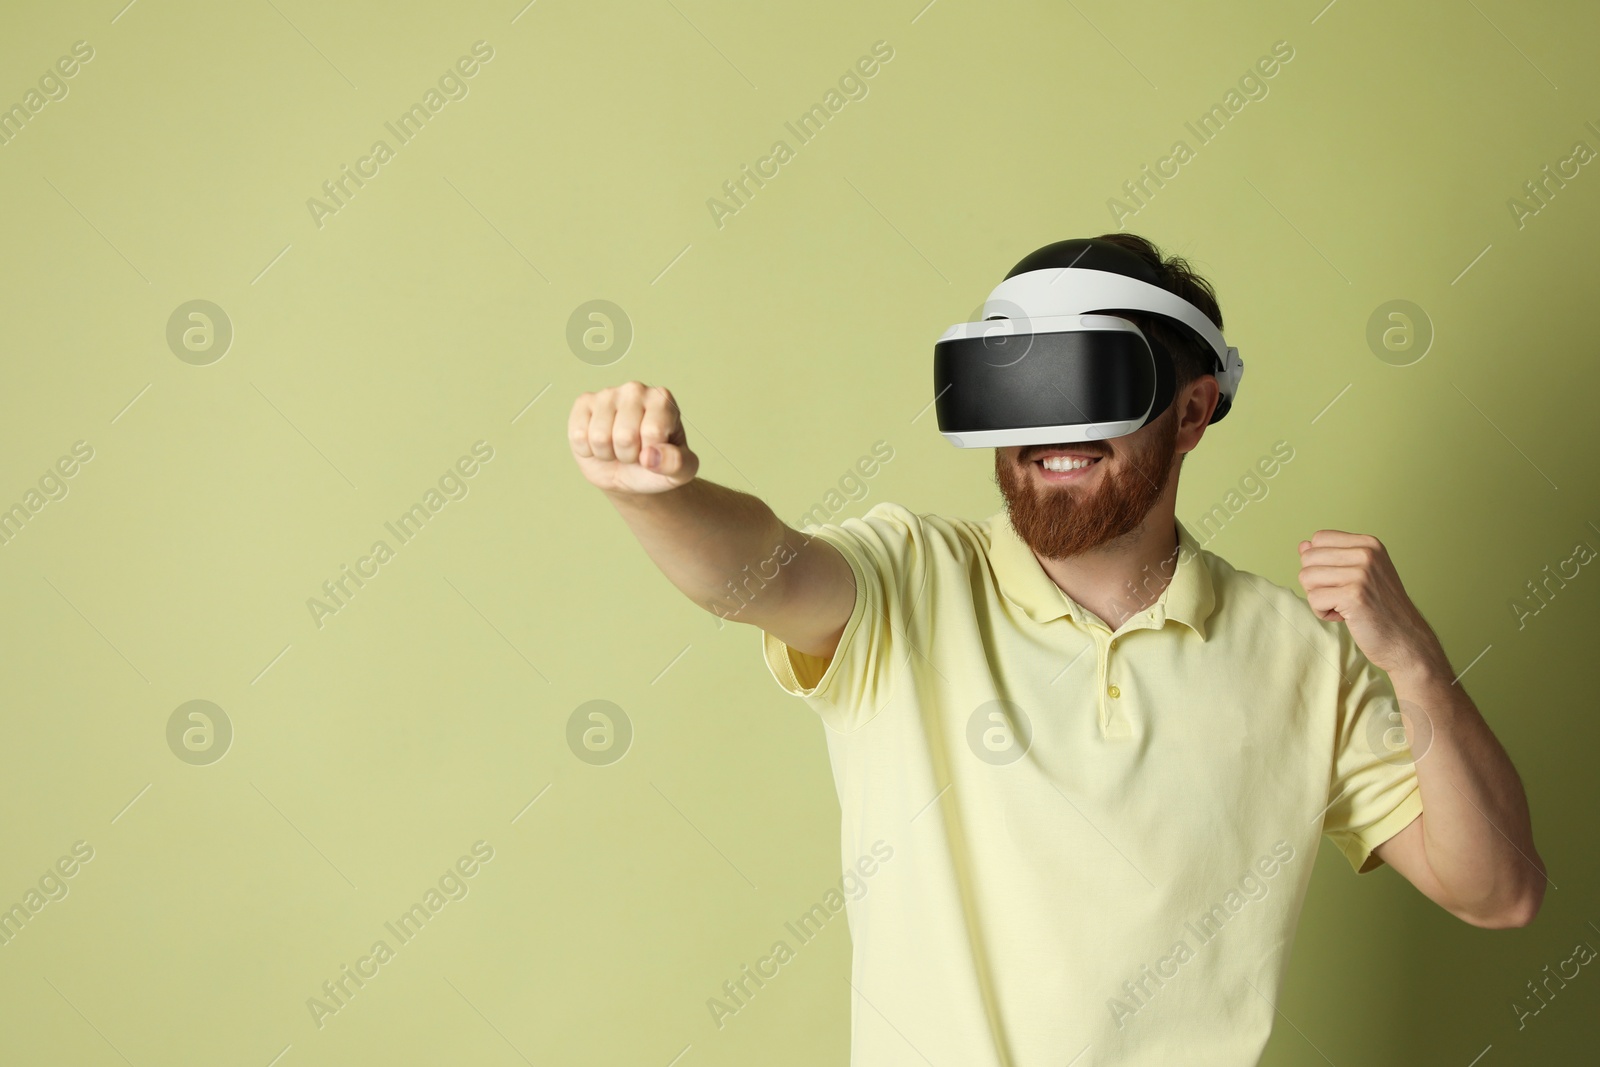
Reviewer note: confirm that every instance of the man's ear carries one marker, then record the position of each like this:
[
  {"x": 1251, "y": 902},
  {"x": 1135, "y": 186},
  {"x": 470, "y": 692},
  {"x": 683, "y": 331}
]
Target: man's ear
[{"x": 1195, "y": 403}]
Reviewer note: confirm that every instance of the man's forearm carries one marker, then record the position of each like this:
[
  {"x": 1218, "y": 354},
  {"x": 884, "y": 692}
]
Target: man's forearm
[
  {"x": 720, "y": 547},
  {"x": 1476, "y": 827}
]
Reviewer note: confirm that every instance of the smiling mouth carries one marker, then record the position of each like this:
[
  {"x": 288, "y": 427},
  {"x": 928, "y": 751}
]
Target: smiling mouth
[
  {"x": 1067, "y": 463},
  {"x": 1066, "y": 468}
]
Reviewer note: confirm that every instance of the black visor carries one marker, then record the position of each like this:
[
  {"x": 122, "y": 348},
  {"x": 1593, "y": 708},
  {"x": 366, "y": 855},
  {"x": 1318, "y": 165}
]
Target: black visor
[{"x": 1047, "y": 379}]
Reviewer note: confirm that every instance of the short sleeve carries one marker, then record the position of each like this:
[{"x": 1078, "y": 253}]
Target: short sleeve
[
  {"x": 1372, "y": 791},
  {"x": 883, "y": 549}
]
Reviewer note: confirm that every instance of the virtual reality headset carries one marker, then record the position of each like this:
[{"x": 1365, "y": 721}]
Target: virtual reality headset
[{"x": 1054, "y": 361}]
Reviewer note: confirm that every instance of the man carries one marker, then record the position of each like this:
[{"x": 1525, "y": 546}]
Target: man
[{"x": 1101, "y": 755}]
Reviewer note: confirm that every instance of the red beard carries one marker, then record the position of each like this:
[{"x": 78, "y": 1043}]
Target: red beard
[{"x": 1058, "y": 521}]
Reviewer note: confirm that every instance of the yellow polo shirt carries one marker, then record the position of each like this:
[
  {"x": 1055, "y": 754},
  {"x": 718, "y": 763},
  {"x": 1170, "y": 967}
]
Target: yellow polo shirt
[{"x": 1099, "y": 841}]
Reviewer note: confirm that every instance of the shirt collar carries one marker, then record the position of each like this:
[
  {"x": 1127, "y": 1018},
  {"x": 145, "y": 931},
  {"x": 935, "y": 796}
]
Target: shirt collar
[{"x": 1188, "y": 598}]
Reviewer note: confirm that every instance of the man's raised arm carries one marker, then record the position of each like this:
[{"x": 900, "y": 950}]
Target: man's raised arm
[{"x": 629, "y": 442}]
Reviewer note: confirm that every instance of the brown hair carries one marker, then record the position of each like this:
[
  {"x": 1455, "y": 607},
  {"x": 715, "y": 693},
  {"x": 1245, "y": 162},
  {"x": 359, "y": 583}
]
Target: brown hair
[{"x": 1191, "y": 357}]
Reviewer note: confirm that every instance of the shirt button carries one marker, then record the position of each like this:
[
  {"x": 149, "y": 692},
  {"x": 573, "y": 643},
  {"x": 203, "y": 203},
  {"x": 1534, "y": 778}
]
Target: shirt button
[
  {"x": 1113, "y": 642},
  {"x": 1114, "y": 691}
]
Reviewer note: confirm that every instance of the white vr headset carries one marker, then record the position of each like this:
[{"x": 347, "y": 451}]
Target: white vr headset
[{"x": 1052, "y": 362}]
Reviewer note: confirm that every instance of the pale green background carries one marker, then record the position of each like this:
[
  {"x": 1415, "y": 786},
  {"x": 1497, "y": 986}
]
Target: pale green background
[{"x": 371, "y": 753}]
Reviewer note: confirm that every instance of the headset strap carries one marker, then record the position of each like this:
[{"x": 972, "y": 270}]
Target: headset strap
[{"x": 1078, "y": 290}]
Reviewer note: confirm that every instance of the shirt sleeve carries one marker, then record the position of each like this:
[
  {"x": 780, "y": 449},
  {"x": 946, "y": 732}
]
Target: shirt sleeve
[
  {"x": 883, "y": 549},
  {"x": 1372, "y": 791}
]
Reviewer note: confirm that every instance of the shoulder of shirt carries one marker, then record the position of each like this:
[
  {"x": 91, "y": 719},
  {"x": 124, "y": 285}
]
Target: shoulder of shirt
[
  {"x": 1240, "y": 591},
  {"x": 929, "y": 531}
]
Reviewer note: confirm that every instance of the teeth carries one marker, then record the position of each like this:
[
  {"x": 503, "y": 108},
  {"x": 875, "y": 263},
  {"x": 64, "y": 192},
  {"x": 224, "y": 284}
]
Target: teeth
[{"x": 1065, "y": 463}]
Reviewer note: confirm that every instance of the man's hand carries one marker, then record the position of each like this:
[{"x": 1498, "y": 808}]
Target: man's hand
[
  {"x": 630, "y": 439},
  {"x": 1348, "y": 577}
]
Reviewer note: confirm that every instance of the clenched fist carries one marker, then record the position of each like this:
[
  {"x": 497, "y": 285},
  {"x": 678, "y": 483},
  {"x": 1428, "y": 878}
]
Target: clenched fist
[{"x": 629, "y": 439}]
